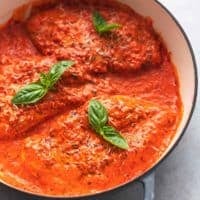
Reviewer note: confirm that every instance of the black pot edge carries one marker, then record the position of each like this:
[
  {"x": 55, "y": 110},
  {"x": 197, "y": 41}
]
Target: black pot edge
[{"x": 85, "y": 197}]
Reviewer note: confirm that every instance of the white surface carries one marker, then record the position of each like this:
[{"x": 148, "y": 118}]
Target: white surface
[{"x": 178, "y": 178}]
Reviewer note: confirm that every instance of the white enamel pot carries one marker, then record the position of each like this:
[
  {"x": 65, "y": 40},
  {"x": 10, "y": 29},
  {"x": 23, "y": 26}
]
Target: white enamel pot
[{"x": 181, "y": 53}]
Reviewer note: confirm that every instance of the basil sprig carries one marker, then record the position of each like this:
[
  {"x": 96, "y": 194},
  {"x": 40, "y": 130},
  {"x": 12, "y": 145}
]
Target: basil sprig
[
  {"x": 98, "y": 119},
  {"x": 34, "y": 92},
  {"x": 101, "y": 25}
]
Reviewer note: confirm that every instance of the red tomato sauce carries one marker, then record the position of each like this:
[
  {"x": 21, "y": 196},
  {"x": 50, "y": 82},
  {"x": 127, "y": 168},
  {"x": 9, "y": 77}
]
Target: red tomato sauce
[{"x": 49, "y": 147}]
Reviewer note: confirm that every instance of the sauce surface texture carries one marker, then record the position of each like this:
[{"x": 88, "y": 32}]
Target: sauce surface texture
[{"x": 49, "y": 147}]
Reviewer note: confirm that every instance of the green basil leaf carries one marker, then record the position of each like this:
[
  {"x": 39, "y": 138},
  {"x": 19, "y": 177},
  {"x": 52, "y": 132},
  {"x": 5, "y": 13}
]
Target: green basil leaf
[
  {"x": 98, "y": 115},
  {"x": 35, "y": 91},
  {"x": 45, "y": 80},
  {"x": 101, "y": 25},
  {"x": 57, "y": 70},
  {"x": 114, "y": 137},
  {"x": 108, "y": 27},
  {"x": 98, "y": 20},
  {"x": 29, "y": 94},
  {"x": 98, "y": 118}
]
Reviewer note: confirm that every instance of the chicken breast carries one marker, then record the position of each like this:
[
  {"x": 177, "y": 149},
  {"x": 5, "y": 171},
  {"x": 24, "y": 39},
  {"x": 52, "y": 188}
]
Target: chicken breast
[
  {"x": 69, "y": 139},
  {"x": 15, "y": 120},
  {"x": 67, "y": 32}
]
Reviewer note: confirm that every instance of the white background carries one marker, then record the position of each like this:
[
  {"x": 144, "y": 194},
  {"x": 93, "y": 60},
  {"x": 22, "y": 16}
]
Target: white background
[{"x": 178, "y": 178}]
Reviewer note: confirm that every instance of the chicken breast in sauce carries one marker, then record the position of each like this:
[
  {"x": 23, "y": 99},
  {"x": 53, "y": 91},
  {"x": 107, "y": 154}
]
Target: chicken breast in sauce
[
  {"x": 68, "y": 145},
  {"x": 67, "y": 32}
]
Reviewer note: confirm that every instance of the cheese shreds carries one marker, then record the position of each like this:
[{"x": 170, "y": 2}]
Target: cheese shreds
[
  {"x": 82, "y": 148},
  {"x": 71, "y": 34}
]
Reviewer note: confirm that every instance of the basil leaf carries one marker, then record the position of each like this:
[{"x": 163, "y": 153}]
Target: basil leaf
[
  {"x": 101, "y": 25},
  {"x": 98, "y": 118},
  {"x": 45, "y": 80},
  {"x": 35, "y": 91},
  {"x": 98, "y": 115},
  {"x": 114, "y": 137},
  {"x": 57, "y": 70},
  {"x": 98, "y": 20},
  {"x": 29, "y": 94},
  {"x": 107, "y": 28}
]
